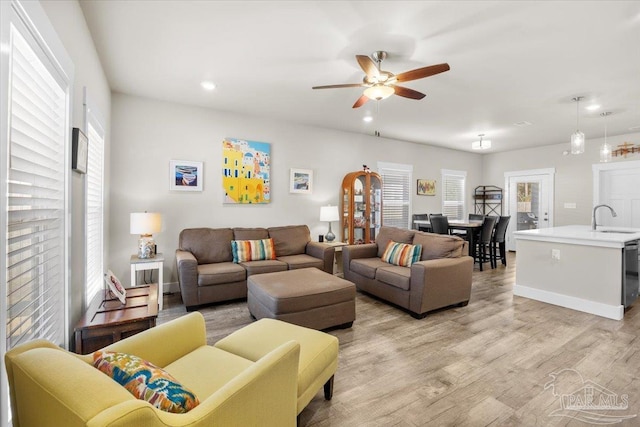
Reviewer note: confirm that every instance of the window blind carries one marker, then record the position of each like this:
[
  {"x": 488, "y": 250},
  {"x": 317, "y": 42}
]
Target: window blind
[
  {"x": 94, "y": 210},
  {"x": 396, "y": 194},
  {"x": 453, "y": 184},
  {"x": 36, "y": 207}
]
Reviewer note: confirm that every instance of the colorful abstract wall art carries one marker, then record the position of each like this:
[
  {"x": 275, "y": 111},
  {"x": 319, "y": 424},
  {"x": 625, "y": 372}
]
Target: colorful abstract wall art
[{"x": 246, "y": 173}]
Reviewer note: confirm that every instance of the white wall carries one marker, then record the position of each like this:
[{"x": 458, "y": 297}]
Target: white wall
[
  {"x": 573, "y": 179},
  {"x": 147, "y": 134},
  {"x": 68, "y": 21}
]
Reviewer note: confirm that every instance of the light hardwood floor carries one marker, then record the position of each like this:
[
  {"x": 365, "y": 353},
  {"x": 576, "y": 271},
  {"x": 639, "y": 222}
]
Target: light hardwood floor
[{"x": 485, "y": 364}]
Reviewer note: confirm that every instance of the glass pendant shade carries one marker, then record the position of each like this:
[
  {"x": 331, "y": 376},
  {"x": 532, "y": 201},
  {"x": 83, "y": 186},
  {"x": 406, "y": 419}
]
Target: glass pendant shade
[
  {"x": 378, "y": 92},
  {"x": 577, "y": 142},
  {"x": 605, "y": 153}
]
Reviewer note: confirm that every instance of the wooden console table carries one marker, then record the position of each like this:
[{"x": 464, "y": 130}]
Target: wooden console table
[{"x": 107, "y": 320}]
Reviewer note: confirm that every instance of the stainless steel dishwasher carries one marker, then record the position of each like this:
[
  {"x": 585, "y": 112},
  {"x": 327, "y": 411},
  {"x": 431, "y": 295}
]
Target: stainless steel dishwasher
[{"x": 630, "y": 283}]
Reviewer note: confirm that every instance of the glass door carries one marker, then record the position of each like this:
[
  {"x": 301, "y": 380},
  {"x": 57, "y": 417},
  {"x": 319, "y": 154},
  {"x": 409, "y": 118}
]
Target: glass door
[{"x": 530, "y": 203}]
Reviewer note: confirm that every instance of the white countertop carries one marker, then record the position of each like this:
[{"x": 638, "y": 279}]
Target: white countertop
[{"x": 581, "y": 235}]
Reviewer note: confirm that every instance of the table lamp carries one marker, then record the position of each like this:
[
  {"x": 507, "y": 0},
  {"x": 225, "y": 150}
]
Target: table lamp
[
  {"x": 329, "y": 214},
  {"x": 145, "y": 224}
]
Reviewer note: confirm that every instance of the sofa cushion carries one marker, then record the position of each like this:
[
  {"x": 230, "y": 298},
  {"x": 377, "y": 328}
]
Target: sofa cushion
[
  {"x": 146, "y": 381},
  {"x": 215, "y": 369},
  {"x": 264, "y": 266},
  {"x": 395, "y": 234},
  {"x": 290, "y": 240},
  {"x": 252, "y": 250},
  {"x": 240, "y": 233},
  {"x": 208, "y": 245},
  {"x": 436, "y": 246},
  {"x": 367, "y": 266},
  {"x": 402, "y": 254},
  {"x": 301, "y": 261},
  {"x": 220, "y": 273},
  {"x": 399, "y": 277}
]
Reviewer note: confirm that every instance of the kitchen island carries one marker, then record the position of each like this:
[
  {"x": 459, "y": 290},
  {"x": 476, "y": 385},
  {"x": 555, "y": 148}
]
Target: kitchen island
[{"x": 574, "y": 267}]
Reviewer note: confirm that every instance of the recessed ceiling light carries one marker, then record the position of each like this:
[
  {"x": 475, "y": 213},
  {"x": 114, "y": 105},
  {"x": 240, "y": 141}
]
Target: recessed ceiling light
[
  {"x": 367, "y": 119},
  {"x": 207, "y": 85},
  {"x": 593, "y": 107}
]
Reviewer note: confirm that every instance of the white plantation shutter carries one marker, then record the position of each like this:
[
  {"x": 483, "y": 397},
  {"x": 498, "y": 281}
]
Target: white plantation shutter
[
  {"x": 453, "y": 184},
  {"x": 35, "y": 88},
  {"x": 94, "y": 209},
  {"x": 396, "y": 193}
]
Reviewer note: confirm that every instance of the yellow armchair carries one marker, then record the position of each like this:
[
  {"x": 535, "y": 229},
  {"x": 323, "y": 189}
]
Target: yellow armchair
[{"x": 52, "y": 387}]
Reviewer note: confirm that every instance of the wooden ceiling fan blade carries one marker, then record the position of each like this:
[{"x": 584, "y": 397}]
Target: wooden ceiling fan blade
[
  {"x": 361, "y": 101},
  {"x": 339, "y": 86},
  {"x": 408, "y": 93},
  {"x": 420, "y": 73},
  {"x": 368, "y": 66}
]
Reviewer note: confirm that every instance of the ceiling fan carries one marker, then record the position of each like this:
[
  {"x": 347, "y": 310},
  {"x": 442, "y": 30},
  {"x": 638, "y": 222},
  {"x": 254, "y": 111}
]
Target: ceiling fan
[{"x": 381, "y": 84}]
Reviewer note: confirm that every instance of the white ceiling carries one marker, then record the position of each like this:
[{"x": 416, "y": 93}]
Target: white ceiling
[{"x": 510, "y": 62}]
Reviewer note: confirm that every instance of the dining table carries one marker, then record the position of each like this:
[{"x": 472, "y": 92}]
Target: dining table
[{"x": 472, "y": 229}]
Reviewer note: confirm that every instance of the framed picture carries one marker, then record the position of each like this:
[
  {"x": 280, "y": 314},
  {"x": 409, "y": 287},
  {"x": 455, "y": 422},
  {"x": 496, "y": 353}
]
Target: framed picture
[
  {"x": 185, "y": 175},
  {"x": 79, "y": 151},
  {"x": 426, "y": 187},
  {"x": 246, "y": 171},
  {"x": 301, "y": 181},
  {"x": 115, "y": 286}
]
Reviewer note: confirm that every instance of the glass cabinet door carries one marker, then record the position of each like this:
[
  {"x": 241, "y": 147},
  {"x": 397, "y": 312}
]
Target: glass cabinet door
[{"x": 361, "y": 207}]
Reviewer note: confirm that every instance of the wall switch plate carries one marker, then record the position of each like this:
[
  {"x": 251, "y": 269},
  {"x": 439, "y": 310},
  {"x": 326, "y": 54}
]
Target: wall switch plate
[
  {"x": 569, "y": 205},
  {"x": 555, "y": 254}
]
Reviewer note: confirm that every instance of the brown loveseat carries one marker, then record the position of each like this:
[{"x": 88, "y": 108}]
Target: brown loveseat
[
  {"x": 442, "y": 276},
  {"x": 207, "y": 273}
]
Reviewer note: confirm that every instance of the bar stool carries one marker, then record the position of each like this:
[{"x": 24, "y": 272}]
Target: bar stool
[
  {"x": 483, "y": 250},
  {"x": 498, "y": 241}
]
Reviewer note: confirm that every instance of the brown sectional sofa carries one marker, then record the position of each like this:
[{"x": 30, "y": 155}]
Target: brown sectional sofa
[
  {"x": 207, "y": 273},
  {"x": 441, "y": 278}
]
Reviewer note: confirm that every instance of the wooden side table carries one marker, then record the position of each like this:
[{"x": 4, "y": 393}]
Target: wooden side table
[
  {"x": 155, "y": 263},
  {"x": 337, "y": 263},
  {"x": 107, "y": 320}
]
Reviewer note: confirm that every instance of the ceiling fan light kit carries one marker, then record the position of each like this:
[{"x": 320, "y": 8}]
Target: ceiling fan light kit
[
  {"x": 577, "y": 138},
  {"x": 381, "y": 84}
]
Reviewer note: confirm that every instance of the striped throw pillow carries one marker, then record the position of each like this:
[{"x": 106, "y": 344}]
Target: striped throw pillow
[
  {"x": 252, "y": 250},
  {"x": 402, "y": 254}
]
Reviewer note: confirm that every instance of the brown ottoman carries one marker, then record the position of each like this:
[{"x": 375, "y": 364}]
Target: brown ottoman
[{"x": 307, "y": 297}]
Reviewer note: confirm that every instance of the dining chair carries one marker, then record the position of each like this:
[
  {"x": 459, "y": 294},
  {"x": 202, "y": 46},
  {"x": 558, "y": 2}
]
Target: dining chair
[
  {"x": 439, "y": 224},
  {"x": 498, "y": 240},
  {"x": 419, "y": 217},
  {"x": 476, "y": 217},
  {"x": 483, "y": 247}
]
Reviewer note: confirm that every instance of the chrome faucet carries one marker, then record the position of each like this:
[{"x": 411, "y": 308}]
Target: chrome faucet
[{"x": 593, "y": 218}]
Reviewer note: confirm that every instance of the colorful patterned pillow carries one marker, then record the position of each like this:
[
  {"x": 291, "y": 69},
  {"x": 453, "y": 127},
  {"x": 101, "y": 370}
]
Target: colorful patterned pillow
[
  {"x": 146, "y": 381},
  {"x": 402, "y": 254},
  {"x": 252, "y": 250}
]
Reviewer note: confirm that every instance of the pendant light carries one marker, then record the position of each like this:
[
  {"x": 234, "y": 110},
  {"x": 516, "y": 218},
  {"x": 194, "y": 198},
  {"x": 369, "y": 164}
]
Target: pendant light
[
  {"x": 605, "y": 150},
  {"x": 577, "y": 138},
  {"x": 481, "y": 145}
]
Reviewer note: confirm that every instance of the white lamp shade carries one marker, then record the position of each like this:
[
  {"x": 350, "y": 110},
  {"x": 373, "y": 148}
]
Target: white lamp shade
[
  {"x": 378, "y": 92},
  {"x": 329, "y": 213},
  {"x": 145, "y": 223}
]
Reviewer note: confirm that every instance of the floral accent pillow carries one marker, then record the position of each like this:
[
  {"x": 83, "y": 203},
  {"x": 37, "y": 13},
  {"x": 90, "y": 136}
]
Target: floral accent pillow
[{"x": 146, "y": 381}]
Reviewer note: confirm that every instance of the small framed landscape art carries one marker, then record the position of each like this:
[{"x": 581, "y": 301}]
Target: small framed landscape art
[
  {"x": 185, "y": 175},
  {"x": 301, "y": 181},
  {"x": 115, "y": 286},
  {"x": 426, "y": 187}
]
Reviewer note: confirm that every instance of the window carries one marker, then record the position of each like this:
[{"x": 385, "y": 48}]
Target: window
[
  {"x": 453, "y": 205},
  {"x": 33, "y": 231},
  {"x": 396, "y": 194},
  {"x": 94, "y": 211}
]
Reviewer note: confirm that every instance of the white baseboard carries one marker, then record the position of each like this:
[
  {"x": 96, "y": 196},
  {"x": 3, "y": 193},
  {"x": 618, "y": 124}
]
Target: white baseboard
[
  {"x": 171, "y": 287},
  {"x": 615, "y": 312}
]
